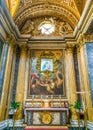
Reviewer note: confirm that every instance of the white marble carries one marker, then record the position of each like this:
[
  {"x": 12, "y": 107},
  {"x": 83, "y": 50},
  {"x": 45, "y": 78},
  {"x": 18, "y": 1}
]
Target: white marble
[
  {"x": 36, "y": 118},
  {"x": 18, "y": 123},
  {"x": 56, "y": 118},
  {"x": 90, "y": 125},
  {"x": 3, "y": 124},
  {"x": 37, "y": 121},
  {"x": 74, "y": 123},
  {"x": 39, "y": 109}
]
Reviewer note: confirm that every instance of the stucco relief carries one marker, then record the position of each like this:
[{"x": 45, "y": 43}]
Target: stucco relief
[{"x": 32, "y": 27}]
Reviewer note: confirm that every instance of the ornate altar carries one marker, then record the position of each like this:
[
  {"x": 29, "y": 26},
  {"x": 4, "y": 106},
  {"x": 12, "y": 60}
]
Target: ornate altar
[
  {"x": 46, "y": 112},
  {"x": 46, "y": 103}
]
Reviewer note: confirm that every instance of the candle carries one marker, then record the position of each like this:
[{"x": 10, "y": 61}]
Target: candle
[
  {"x": 32, "y": 96},
  {"x": 41, "y": 96}
]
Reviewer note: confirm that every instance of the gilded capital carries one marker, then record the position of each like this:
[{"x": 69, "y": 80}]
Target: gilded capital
[
  {"x": 78, "y": 46},
  {"x": 82, "y": 39},
  {"x": 11, "y": 39},
  {"x": 70, "y": 47},
  {"x": 89, "y": 38},
  {"x": 24, "y": 48}
]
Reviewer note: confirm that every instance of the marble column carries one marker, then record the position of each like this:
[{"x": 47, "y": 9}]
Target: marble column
[
  {"x": 21, "y": 82},
  {"x": 15, "y": 70},
  {"x": 79, "y": 67},
  {"x": 6, "y": 81},
  {"x": 13, "y": 54},
  {"x": 26, "y": 76},
  {"x": 77, "y": 71},
  {"x": 85, "y": 85},
  {"x": 66, "y": 75},
  {"x": 26, "y": 84},
  {"x": 2, "y": 69},
  {"x": 71, "y": 81},
  {"x": 2, "y": 80}
]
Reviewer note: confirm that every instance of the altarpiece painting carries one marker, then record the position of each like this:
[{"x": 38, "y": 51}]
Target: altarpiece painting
[{"x": 46, "y": 73}]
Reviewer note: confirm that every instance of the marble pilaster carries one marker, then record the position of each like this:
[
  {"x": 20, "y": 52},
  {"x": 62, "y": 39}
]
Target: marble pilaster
[
  {"x": 26, "y": 76},
  {"x": 6, "y": 81},
  {"x": 2, "y": 72},
  {"x": 85, "y": 82},
  {"x": 13, "y": 47},
  {"x": 21, "y": 82},
  {"x": 3, "y": 64},
  {"x": 71, "y": 81}
]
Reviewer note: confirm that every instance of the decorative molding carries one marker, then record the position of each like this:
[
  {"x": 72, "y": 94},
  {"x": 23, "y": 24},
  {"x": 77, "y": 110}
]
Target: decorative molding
[
  {"x": 34, "y": 26},
  {"x": 89, "y": 38},
  {"x": 3, "y": 124},
  {"x": 11, "y": 39},
  {"x": 51, "y": 10},
  {"x": 85, "y": 22},
  {"x": 47, "y": 2},
  {"x": 24, "y": 47},
  {"x": 83, "y": 38},
  {"x": 71, "y": 45},
  {"x": 74, "y": 123},
  {"x": 90, "y": 125},
  {"x": 18, "y": 123},
  {"x": 9, "y": 123}
]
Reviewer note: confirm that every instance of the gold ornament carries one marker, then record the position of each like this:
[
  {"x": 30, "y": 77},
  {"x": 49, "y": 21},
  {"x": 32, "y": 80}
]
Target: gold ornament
[{"x": 46, "y": 118}]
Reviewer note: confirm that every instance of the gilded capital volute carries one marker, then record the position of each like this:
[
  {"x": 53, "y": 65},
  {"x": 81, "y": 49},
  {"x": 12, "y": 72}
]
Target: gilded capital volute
[
  {"x": 89, "y": 38},
  {"x": 11, "y": 39},
  {"x": 24, "y": 48},
  {"x": 70, "y": 47},
  {"x": 82, "y": 39}
]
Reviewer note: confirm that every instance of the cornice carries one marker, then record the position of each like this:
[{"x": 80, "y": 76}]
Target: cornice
[
  {"x": 83, "y": 38},
  {"x": 14, "y": 36},
  {"x": 81, "y": 41},
  {"x": 88, "y": 38},
  {"x": 82, "y": 26}
]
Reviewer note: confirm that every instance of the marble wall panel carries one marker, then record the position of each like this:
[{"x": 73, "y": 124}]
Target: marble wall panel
[{"x": 89, "y": 57}]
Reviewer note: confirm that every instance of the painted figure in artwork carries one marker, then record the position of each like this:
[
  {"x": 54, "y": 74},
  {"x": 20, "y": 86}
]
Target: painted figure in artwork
[
  {"x": 46, "y": 74},
  {"x": 50, "y": 86},
  {"x": 46, "y": 66}
]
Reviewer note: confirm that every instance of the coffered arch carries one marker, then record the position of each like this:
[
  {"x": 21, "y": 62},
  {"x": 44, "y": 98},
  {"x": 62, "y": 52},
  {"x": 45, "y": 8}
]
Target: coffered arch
[{"x": 42, "y": 9}]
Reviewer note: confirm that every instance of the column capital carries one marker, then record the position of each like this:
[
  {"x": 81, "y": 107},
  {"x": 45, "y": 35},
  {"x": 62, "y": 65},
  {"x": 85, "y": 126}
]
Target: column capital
[
  {"x": 24, "y": 48},
  {"x": 11, "y": 39},
  {"x": 69, "y": 49},
  {"x": 89, "y": 38},
  {"x": 78, "y": 46},
  {"x": 84, "y": 38}
]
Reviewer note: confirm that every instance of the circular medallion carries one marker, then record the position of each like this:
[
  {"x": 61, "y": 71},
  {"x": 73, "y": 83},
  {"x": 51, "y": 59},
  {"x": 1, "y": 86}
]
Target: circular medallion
[{"x": 46, "y": 118}]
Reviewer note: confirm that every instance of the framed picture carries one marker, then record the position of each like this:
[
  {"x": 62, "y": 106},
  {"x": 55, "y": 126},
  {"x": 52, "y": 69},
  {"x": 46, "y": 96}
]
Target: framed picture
[
  {"x": 46, "y": 64},
  {"x": 46, "y": 73}
]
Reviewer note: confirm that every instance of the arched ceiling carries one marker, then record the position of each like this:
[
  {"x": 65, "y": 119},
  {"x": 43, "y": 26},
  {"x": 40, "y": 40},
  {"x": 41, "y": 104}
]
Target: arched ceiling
[{"x": 64, "y": 12}]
